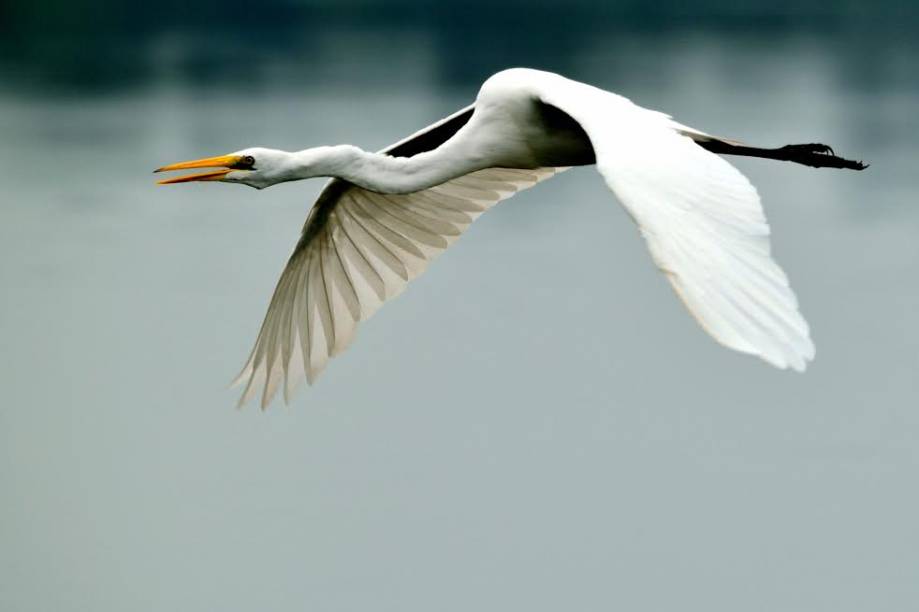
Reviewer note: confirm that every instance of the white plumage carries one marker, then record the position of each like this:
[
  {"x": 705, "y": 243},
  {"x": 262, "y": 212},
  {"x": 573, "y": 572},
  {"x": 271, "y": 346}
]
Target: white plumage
[{"x": 385, "y": 216}]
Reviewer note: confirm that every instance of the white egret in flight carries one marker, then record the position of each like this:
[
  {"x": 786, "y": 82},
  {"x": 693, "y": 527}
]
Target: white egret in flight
[{"x": 384, "y": 216}]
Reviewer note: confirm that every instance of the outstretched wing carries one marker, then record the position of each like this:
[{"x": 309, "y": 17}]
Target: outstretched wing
[
  {"x": 701, "y": 218},
  {"x": 357, "y": 250}
]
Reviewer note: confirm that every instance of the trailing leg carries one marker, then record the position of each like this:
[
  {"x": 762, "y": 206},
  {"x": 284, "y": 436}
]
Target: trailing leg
[{"x": 814, "y": 155}]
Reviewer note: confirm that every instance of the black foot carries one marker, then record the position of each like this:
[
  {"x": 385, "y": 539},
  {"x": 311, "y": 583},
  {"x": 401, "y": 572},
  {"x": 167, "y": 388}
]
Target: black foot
[
  {"x": 814, "y": 147},
  {"x": 818, "y": 155}
]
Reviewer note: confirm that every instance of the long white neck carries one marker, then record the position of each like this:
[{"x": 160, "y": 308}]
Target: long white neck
[{"x": 383, "y": 173}]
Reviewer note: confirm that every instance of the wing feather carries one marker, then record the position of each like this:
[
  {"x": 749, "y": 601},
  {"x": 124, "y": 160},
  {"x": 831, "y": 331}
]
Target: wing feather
[
  {"x": 367, "y": 272},
  {"x": 376, "y": 246}
]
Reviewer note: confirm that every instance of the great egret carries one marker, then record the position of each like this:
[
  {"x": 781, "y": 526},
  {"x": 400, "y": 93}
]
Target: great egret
[{"x": 384, "y": 216}]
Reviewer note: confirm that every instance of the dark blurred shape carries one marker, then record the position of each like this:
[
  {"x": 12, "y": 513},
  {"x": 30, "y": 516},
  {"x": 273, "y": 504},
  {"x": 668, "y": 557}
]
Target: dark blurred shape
[{"x": 107, "y": 44}]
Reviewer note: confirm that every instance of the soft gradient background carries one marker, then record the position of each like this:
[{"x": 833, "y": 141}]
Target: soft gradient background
[{"x": 534, "y": 425}]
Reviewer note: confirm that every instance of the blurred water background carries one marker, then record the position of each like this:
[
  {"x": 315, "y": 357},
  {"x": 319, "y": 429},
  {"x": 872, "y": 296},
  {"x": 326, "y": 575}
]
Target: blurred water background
[{"x": 534, "y": 425}]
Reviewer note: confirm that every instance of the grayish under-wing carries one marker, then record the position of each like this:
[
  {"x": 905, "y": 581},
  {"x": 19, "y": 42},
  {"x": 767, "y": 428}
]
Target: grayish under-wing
[
  {"x": 701, "y": 218},
  {"x": 358, "y": 249}
]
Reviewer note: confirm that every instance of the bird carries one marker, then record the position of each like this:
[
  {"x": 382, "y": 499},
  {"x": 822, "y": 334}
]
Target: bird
[{"x": 383, "y": 216}]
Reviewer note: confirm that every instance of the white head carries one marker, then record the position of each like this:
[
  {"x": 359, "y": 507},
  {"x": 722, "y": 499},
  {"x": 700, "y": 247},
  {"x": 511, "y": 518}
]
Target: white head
[{"x": 256, "y": 167}]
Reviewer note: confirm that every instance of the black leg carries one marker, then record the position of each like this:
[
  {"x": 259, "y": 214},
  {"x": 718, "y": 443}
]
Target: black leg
[{"x": 815, "y": 155}]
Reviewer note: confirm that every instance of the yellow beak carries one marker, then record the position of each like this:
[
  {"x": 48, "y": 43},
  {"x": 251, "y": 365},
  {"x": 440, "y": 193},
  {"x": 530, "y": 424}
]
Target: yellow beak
[{"x": 226, "y": 162}]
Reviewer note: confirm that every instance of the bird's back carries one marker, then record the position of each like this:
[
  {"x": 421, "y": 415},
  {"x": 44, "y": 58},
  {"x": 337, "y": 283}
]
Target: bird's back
[{"x": 512, "y": 119}]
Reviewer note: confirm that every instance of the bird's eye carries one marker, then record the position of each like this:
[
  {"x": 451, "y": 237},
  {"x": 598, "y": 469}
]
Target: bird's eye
[{"x": 249, "y": 160}]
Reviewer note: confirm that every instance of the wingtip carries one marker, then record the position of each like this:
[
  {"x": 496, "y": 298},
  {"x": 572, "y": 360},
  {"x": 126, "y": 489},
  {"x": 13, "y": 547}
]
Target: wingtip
[
  {"x": 796, "y": 362},
  {"x": 245, "y": 373}
]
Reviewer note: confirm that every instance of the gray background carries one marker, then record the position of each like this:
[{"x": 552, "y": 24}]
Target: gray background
[{"x": 536, "y": 424}]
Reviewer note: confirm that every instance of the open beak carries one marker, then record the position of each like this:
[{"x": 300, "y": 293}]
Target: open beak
[{"x": 227, "y": 163}]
